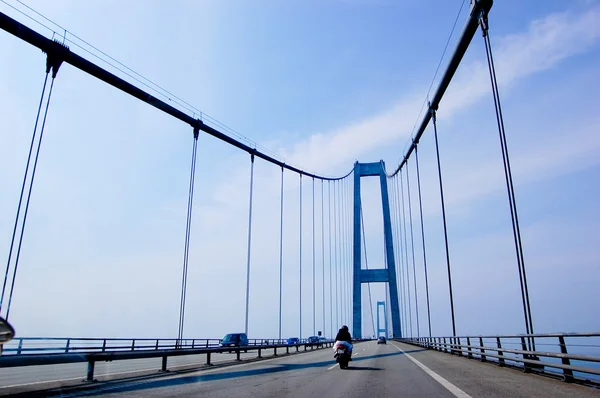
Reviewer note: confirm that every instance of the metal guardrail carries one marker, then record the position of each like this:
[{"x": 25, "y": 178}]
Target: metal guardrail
[
  {"x": 564, "y": 355},
  {"x": 67, "y": 355},
  {"x": 64, "y": 345}
]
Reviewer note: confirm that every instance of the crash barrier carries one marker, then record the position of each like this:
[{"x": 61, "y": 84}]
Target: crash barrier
[
  {"x": 572, "y": 357},
  {"x": 106, "y": 353},
  {"x": 54, "y": 345}
]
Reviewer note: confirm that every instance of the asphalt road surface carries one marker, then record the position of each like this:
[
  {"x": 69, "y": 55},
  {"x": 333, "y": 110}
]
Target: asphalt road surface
[{"x": 391, "y": 370}]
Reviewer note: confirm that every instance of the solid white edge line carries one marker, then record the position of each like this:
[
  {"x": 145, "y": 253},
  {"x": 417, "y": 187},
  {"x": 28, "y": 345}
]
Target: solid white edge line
[{"x": 457, "y": 392}]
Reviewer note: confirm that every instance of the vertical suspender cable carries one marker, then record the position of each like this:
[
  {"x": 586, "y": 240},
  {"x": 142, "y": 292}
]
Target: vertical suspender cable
[
  {"x": 509, "y": 182},
  {"x": 437, "y": 151},
  {"x": 313, "y": 259},
  {"x": 423, "y": 238},
  {"x": 343, "y": 252},
  {"x": 330, "y": 274},
  {"x": 347, "y": 250},
  {"x": 300, "y": 257},
  {"x": 412, "y": 248},
  {"x": 349, "y": 240},
  {"x": 340, "y": 263},
  {"x": 188, "y": 229},
  {"x": 280, "y": 251},
  {"x": 406, "y": 256},
  {"x": 14, "y": 234},
  {"x": 394, "y": 227},
  {"x": 37, "y": 154},
  {"x": 335, "y": 256},
  {"x": 400, "y": 268},
  {"x": 249, "y": 239},
  {"x": 323, "y": 248}
]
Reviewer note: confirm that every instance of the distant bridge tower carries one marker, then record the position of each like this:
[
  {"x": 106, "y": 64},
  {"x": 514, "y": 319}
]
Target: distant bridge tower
[
  {"x": 373, "y": 275},
  {"x": 385, "y": 327}
]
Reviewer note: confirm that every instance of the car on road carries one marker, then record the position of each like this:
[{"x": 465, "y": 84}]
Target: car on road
[
  {"x": 381, "y": 340},
  {"x": 293, "y": 341},
  {"x": 313, "y": 340},
  {"x": 234, "y": 340}
]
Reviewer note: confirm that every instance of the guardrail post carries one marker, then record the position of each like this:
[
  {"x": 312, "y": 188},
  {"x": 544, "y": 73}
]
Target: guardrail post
[
  {"x": 163, "y": 368},
  {"x": 206, "y": 343},
  {"x": 500, "y": 353},
  {"x": 526, "y": 367},
  {"x": 470, "y": 354},
  {"x": 445, "y": 346},
  {"x": 104, "y": 345},
  {"x": 20, "y": 347},
  {"x": 259, "y": 356},
  {"x": 481, "y": 349},
  {"x": 90, "y": 370},
  {"x": 237, "y": 355},
  {"x": 459, "y": 347},
  {"x": 133, "y": 345},
  {"x": 287, "y": 350},
  {"x": 274, "y": 351},
  {"x": 208, "y": 359},
  {"x": 67, "y": 346},
  {"x": 156, "y": 347},
  {"x": 193, "y": 343},
  {"x": 567, "y": 373}
]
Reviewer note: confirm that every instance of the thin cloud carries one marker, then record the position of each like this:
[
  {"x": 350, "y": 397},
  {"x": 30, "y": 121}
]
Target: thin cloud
[{"x": 546, "y": 42}]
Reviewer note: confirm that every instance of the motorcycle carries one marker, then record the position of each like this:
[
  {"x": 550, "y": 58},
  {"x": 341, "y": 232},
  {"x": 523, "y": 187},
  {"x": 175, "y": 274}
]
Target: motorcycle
[{"x": 342, "y": 356}]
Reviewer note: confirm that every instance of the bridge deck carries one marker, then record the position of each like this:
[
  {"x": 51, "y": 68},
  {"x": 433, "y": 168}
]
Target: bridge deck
[{"x": 376, "y": 371}]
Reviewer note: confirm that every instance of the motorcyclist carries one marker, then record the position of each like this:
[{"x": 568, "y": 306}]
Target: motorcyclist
[{"x": 344, "y": 338}]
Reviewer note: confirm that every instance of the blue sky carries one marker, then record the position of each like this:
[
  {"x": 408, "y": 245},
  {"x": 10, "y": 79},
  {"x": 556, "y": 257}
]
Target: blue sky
[{"x": 321, "y": 85}]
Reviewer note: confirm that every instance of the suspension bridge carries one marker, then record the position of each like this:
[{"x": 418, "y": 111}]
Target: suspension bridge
[{"x": 414, "y": 361}]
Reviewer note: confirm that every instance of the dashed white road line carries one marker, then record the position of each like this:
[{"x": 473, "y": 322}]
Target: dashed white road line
[{"x": 457, "y": 392}]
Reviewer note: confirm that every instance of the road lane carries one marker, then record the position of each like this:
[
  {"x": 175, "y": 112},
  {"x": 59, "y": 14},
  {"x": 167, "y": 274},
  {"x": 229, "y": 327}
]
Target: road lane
[
  {"x": 390, "y": 370},
  {"x": 374, "y": 371},
  {"x": 77, "y": 371}
]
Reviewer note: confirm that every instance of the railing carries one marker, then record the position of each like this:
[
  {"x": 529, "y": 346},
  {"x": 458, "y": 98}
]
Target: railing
[
  {"x": 63, "y": 345},
  {"x": 71, "y": 350},
  {"x": 565, "y": 355}
]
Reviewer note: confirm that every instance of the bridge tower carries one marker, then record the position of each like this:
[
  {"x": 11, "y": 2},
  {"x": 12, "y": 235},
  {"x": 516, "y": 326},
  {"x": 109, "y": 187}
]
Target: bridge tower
[
  {"x": 385, "y": 275},
  {"x": 385, "y": 320}
]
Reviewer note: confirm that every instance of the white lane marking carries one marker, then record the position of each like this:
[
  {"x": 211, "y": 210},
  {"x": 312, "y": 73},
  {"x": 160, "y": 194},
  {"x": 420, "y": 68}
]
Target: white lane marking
[
  {"x": 457, "y": 392},
  {"x": 331, "y": 367}
]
